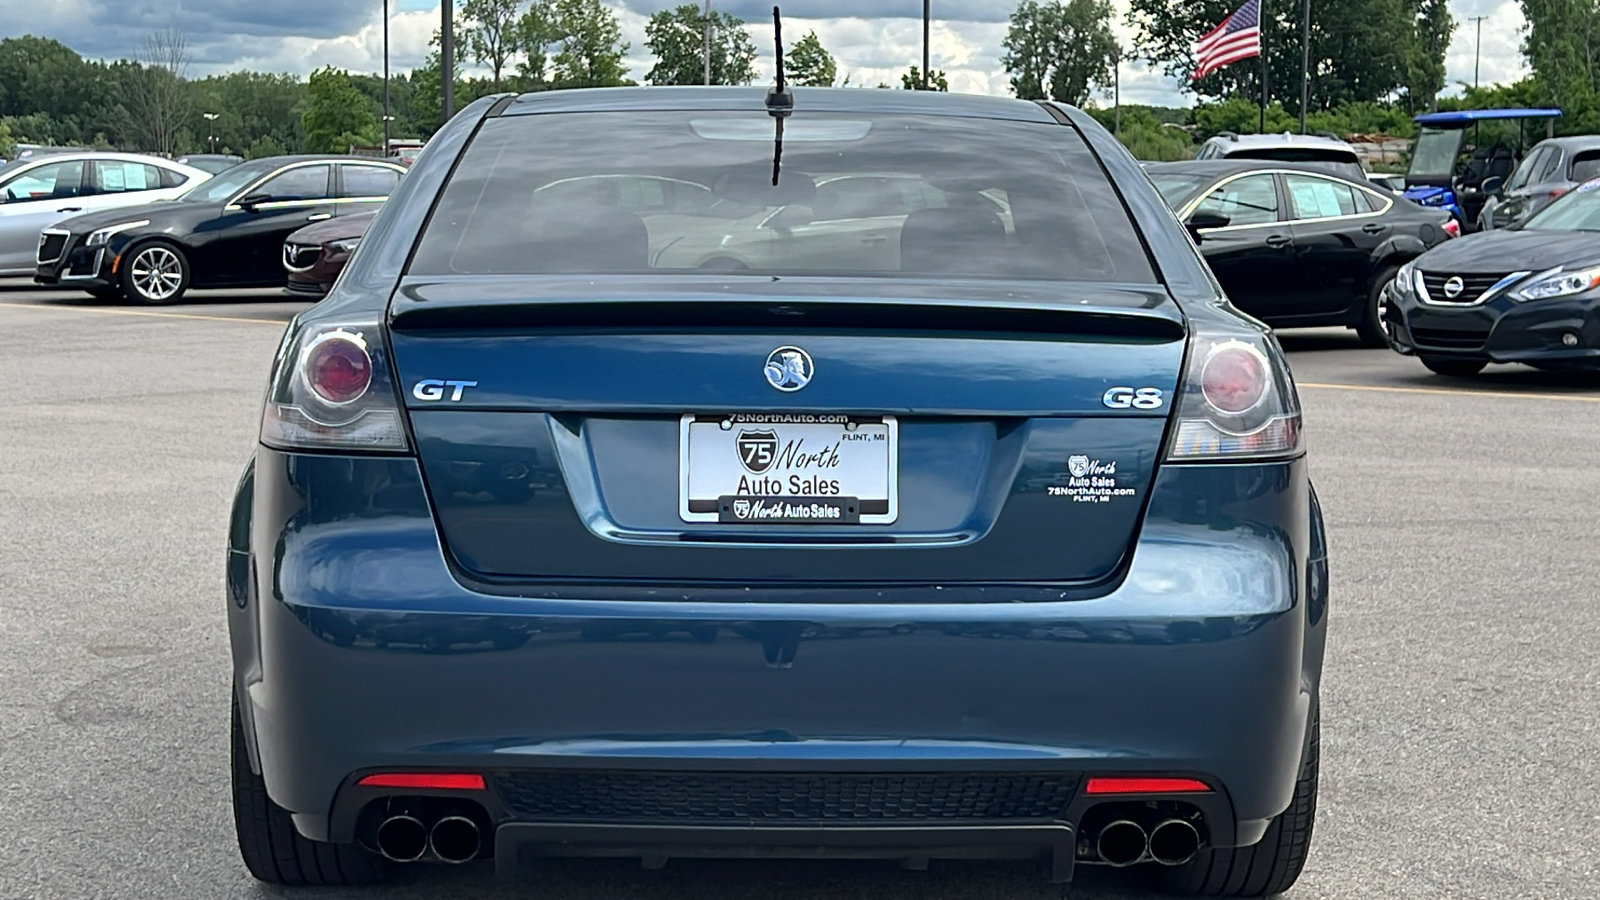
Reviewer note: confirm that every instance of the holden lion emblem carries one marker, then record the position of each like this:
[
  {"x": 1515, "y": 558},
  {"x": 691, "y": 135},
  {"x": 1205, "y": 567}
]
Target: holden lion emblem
[{"x": 789, "y": 368}]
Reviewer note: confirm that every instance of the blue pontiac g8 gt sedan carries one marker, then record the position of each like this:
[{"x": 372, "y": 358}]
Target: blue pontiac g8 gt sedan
[{"x": 698, "y": 472}]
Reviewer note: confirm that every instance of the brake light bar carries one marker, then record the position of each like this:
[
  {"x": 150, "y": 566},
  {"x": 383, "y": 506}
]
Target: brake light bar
[
  {"x": 441, "y": 781},
  {"x": 1140, "y": 785}
]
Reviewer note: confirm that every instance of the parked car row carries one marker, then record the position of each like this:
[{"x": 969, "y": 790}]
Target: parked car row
[{"x": 229, "y": 231}]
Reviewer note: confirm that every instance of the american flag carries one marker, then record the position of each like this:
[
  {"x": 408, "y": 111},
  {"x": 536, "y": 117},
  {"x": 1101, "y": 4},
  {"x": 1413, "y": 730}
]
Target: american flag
[{"x": 1238, "y": 37}]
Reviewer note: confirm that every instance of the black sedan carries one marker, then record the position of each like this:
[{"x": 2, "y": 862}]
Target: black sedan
[
  {"x": 225, "y": 233},
  {"x": 1525, "y": 294},
  {"x": 1296, "y": 246}
]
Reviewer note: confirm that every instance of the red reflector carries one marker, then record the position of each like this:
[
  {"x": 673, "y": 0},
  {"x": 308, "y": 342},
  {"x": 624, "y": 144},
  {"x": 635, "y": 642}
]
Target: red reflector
[
  {"x": 1452, "y": 228},
  {"x": 1556, "y": 192},
  {"x": 338, "y": 367},
  {"x": 425, "y": 780},
  {"x": 1145, "y": 786}
]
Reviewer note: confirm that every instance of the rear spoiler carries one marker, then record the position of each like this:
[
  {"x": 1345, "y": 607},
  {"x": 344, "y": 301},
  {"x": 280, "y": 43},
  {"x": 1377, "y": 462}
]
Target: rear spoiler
[{"x": 1081, "y": 311}]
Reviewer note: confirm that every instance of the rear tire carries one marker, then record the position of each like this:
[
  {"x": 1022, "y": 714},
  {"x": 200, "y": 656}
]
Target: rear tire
[
  {"x": 1370, "y": 328},
  {"x": 156, "y": 273},
  {"x": 1269, "y": 867},
  {"x": 273, "y": 850},
  {"x": 1453, "y": 368}
]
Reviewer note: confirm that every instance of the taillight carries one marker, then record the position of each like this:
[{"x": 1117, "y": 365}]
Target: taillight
[
  {"x": 1234, "y": 378},
  {"x": 1238, "y": 402},
  {"x": 1452, "y": 227},
  {"x": 332, "y": 390},
  {"x": 338, "y": 367},
  {"x": 1556, "y": 192}
]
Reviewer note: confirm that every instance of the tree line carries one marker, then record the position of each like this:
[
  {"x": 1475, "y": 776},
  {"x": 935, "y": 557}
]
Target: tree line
[{"x": 1373, "y": 64}]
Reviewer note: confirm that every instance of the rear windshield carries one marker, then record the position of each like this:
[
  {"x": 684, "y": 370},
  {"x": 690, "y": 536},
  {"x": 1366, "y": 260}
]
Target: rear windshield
[
  {"x": 1175, "y": 188},
  {"x": 1299, "y": 155},
  {"x": 856, "y": 195}
]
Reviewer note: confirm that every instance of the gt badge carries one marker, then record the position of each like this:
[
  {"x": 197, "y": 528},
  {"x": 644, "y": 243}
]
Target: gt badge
[{"x": 433, "y": 389}]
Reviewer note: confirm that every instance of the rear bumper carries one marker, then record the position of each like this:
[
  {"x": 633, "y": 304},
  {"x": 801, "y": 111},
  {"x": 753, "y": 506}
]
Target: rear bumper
[{"x": 356, "y": 649}]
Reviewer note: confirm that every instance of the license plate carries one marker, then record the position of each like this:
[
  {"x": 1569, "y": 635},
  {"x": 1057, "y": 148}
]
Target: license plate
[{"x": 788, "y": 469}]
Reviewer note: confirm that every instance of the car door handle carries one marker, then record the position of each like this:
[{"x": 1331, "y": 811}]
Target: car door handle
[
  {"x": 1373, "y": 227},
  {"x": 1277, "y": 241},
  {"x": 70, "y": 209},
  {"x": 318, "y": 217}
]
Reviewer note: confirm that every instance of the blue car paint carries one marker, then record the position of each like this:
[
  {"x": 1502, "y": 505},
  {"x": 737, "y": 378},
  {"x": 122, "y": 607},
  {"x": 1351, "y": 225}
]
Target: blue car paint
[
  {"x": 359, "y": 641},
  {"x": 1436, "y": 197},
  {"x": 358, "y": 647}
]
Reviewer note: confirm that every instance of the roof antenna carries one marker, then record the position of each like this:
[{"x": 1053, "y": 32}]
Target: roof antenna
[{"x": 780, "y": 100}]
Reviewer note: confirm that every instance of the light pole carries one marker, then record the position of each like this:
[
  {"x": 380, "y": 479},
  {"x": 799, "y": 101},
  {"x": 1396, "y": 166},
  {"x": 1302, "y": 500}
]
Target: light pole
[
  {"x": 447, "y": 59},
  {"x": 927, "y": 19},
  {"x": 386, "y": 117},
  {"x": 1477, "y": 46},
  {"x": 211, "y": 129},
  {"x": 708, "y": 42}
]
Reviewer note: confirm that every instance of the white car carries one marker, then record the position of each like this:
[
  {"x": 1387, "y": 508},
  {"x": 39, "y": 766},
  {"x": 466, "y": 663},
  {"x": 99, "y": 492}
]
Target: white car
[
  {"x": 44, "y": 189},
  {"x": 1324, "y": 152}
]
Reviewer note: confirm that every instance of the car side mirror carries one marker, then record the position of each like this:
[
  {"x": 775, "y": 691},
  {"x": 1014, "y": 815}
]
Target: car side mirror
[
  {"x": 1201, "y": 221},
  {"x": 1492, "y": 184},
  {"x": 249, "y": 202}
]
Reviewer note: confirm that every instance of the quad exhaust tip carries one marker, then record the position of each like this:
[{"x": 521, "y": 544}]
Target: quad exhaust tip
[
  {"x": 454, "y": 839},
  {"x": 1122, "y": 843},
  {"x": 1174, "y": 842},
  {"x": 403, "y": 838}
]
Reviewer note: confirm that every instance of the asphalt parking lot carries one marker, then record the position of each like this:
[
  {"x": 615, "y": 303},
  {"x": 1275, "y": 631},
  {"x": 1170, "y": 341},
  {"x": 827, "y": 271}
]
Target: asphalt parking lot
[{"x": 1461, "y": 750}]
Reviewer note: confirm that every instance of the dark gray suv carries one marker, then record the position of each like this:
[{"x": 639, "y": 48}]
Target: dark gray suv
[{"x": 1553, "y": 167}]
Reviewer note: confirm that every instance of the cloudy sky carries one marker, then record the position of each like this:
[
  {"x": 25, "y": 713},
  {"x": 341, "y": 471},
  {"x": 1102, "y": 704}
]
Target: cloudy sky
[{"x": 873, "y": 40}]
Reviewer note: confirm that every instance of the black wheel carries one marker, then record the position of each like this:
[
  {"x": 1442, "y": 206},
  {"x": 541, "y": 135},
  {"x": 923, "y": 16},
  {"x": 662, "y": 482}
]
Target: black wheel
[
  {"x": 106, "y": 294},
  {"x": 273, "y": 850},
  {"x": 1271, "y": 865},
  {"x": 156, "y": 273},
  {"x": 1370, "y": 328},
  {"x": 1454, "y": 368}
]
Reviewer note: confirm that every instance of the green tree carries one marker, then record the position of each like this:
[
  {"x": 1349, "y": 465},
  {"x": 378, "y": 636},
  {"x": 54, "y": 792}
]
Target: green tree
[
  {"x": 337, "y": 114},
  {"x": 157, "y": 96},
  {"x": 808, "y": 63},
  {"x": 538, "y": 30},
  {"x": 1358, "y": 48},
  {"x": 492, "y": 33},
  {"x": 39, "y": 75},
  {"x": 1562, "y": 45},
  {"x": 1059, "y": 51},
  {"x": 591, "y": 45},
  {"x": 8, "y": 147},
  {"x": 911, "y": 80},
  {"x": 1424, "y": 65},
  {"x": 1240, "y": 115},
  {"x": 677, "y": 38}
]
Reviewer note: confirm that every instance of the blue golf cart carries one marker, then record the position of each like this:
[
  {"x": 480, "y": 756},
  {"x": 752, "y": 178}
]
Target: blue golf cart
[{"x": 1441, "y": 176}]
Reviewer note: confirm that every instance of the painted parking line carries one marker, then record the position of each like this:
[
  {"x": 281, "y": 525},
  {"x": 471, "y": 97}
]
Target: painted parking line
[
  {"x": 1447, "y": 392},
  {"x": 150, "y": 313}
]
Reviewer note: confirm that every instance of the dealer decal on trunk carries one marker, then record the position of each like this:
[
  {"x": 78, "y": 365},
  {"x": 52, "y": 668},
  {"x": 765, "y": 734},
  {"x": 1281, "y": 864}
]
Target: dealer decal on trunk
[{"x": 1090, "y": 481}]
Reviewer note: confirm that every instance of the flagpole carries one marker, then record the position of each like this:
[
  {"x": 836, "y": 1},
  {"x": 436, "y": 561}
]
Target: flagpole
[
  {"x": 1305, "y": 61},
  {"x": 1261, "y": 23}
]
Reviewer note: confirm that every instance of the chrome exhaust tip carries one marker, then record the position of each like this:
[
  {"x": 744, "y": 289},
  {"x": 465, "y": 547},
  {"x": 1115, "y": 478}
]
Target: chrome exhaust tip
[
  {"x": 455, "y": 839},
  {"x": 1174, "y": 842},
  {"x": 402, "y": 839},
  {"x": 1121, "y": 843}
]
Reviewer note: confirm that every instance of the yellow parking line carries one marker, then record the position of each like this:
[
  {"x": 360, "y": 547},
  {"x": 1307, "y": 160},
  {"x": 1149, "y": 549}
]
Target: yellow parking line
[
  {"x": 1508, "y": 395},
  {"x": 144, "y": 312}
]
